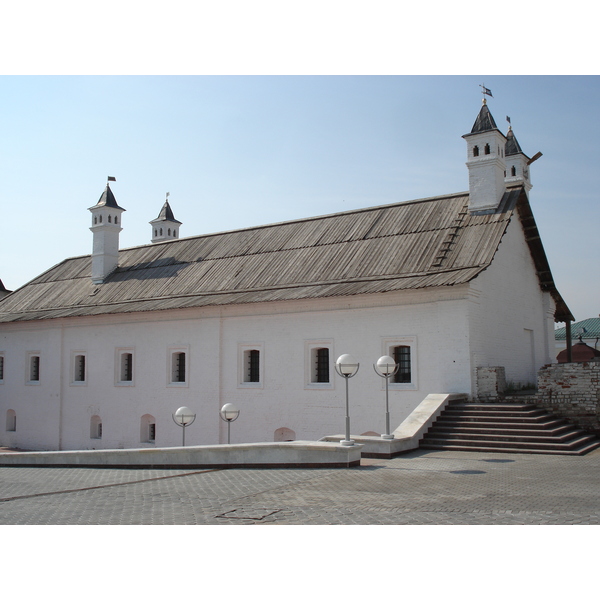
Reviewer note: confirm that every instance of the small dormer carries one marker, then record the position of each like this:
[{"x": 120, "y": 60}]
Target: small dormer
[
  {"x": 106, "y": 226},
  {"x": 165, "y": 226},
  {"x": 485, "y": 161},
  {"x": 517, "y": 163}
]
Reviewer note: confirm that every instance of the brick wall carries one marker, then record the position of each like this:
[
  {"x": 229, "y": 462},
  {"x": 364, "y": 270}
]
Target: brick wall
[{"x": 572, "y": 390}]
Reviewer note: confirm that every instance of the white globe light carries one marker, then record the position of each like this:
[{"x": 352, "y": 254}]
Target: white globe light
[
  {"x": 386, "y": 365},
  {"x": 347, "y": 364},
  {"x": 184, "y": 415},
  {"x": 230, "y": 412}
]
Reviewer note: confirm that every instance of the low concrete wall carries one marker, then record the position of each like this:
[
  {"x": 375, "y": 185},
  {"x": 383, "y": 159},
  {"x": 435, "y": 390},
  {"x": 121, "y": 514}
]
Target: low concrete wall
[
  {"x": 301, "y": 454},
  {"x": 409, "y": 433}
]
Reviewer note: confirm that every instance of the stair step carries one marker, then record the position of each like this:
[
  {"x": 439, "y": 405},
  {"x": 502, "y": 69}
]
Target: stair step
[
  {"x": 501, "y": 436},
  {"x": 456, "y": 447},
  {"x": 572, "y": 445},
  {"x": 545, "y": 426},
  {"x": 504, "y": 427}
]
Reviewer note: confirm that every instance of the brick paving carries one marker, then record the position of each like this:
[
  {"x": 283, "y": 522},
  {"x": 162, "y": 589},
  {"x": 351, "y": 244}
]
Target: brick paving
[{"x": 422, "y": 487}]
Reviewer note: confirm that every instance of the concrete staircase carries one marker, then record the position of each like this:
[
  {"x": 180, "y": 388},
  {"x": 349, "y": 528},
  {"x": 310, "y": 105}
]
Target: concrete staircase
[{"x": 519, "y": 427}]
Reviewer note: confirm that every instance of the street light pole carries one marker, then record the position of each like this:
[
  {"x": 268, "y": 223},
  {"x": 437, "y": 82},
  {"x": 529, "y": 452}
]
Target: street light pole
[
  {"x": 229, "y": 413},
  {"x": 183, "y": 417},
  {"x": 346, "y": 366},
  {"x": 386, "y": 367}
]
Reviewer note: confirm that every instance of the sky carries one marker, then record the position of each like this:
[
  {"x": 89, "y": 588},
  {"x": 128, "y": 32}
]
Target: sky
[{"x": 240, "y": 151}]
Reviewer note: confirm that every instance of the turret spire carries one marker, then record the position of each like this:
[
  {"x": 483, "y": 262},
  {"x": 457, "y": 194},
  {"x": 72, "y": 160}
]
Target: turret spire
[{"x": 165, "y": 226}]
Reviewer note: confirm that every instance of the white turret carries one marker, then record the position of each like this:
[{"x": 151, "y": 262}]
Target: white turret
[
  {"x": 486, "y": 162},
  {"x": 106, "y": 226},
  {"x": 517, "y": 163},
  {"x": 165, "y": 226}
]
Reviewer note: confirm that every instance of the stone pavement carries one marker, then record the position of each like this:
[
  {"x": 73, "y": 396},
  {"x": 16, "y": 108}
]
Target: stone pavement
[{"x": 421, "y": 487}]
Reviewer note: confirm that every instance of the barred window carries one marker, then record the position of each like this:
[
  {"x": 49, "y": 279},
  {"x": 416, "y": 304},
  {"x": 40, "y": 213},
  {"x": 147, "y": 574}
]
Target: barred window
[
  {"x": 321, "y": 364},
  {"x": 401, "y": 355},
  {"x": 178, "y": 367},
  {"x": 252, "y": 366}
]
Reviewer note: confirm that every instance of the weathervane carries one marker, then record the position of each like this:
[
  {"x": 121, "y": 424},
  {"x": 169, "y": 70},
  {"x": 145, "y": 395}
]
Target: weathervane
[{"x": 486, "y": 92}]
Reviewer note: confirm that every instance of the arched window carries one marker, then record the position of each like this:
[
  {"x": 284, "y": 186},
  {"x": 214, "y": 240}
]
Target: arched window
[
  {"x": 475, "y": 150},
  {"x": 161, "y": 231},
  {"x": 11, "y": 420},
  {"x": 169, "y": 232},
  {"x": 148, "y": 429},
  {"x": 100, "y": 218},
  {"x": 96, "y": 428},
  {"x": 174, "y": 232},
  {"x": 487, "y": 149},
  {"x": 95, "y": 220},
  {"x": 155, "y": 233},
  {"x": 283, "y": 434},
  {"x": 109, "y": 219},
  {"x": 116, "y": 220},
  {"x": 513, "y": 171}
]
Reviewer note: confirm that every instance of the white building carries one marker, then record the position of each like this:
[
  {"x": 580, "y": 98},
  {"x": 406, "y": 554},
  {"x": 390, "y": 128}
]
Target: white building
[{"x": 100, "y": 350}]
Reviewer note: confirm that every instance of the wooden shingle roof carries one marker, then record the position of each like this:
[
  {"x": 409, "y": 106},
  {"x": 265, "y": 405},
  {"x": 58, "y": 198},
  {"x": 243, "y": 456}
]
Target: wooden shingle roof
[{"x": 419, "y": 244}]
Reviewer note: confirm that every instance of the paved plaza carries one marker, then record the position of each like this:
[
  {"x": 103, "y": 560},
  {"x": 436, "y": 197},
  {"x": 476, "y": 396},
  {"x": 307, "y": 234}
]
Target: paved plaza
[{"x": 421, "y": 487}]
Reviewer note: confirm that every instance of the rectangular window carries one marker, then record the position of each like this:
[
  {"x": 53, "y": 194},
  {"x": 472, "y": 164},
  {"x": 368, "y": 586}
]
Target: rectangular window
[
  {"x": 318, "y": 368},
  {"x": 321, "y": 364},
  {"x": 402, "y": 358},
  {"x": 99, "y": 431},
  {"x": 124, "y": 366},
  {"x": 79, "y": 373},
  {"x": 252, "y": 366},
  {"x": 152, "y": 432},
  {"x": 34, "y": 368},
  {"x": 403, "y": 349},
  {"x": 178, "y": 367},
  {"x": 1, "y": 368}
]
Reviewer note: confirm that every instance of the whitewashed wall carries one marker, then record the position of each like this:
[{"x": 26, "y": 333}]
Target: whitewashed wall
[
  {"x": 510, "y": 318},
  {"x": 57, "y": 412}
]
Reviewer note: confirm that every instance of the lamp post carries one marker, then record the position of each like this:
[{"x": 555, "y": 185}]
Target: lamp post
[
  {"x": 229, "y": 413},
  {"x": 346, "y": 366},
  {"x": 386, "y": 367},
  {"x": 183, "y": 417}
]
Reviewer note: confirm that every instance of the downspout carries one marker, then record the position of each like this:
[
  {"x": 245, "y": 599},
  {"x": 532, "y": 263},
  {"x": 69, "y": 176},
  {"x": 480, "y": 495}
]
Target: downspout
[
  {"x": 61, "y": 389},
  {"x": 569, "y": 344}
]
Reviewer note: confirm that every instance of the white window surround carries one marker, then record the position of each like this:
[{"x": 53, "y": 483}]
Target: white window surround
[
  {"x": 172, "y": 367},
  {"x": 76, "y": 368},
  {"x": 388, "y": 344},
  {"x": 310, "y": 368},
  {"x": 243, "y": 365},
  {"x": 31, "y": 368},
  {"x": 121, "y": 367}
]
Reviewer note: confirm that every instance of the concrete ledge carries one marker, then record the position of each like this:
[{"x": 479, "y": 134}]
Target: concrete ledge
[
  {"x": 409, "y": 433},
  {"x": 299, "y": 454}
]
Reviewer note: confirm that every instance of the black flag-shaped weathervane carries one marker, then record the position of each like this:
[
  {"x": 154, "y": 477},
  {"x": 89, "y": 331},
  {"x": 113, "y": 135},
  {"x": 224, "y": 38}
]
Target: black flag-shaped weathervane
[
  {"x": 486, "y": 91},
  {"x": 508, "y": 119},
  {"x": 111, "y": 178}
]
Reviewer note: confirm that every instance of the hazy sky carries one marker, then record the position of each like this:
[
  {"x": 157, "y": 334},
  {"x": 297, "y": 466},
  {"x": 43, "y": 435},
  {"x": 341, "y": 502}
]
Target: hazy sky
[{"x": 237, "y": 151}]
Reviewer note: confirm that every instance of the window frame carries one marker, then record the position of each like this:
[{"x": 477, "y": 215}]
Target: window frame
[
  {"x": 75, "y": 367},
  {"x": 410, "y": 341},
  {"x": 244, "y": 350},
  {"x": 171, "y": 354},
  {"x": 29, "y": 368},
  {"x": 119, "y": 353},
  {"x": 311, "y": 348}
]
